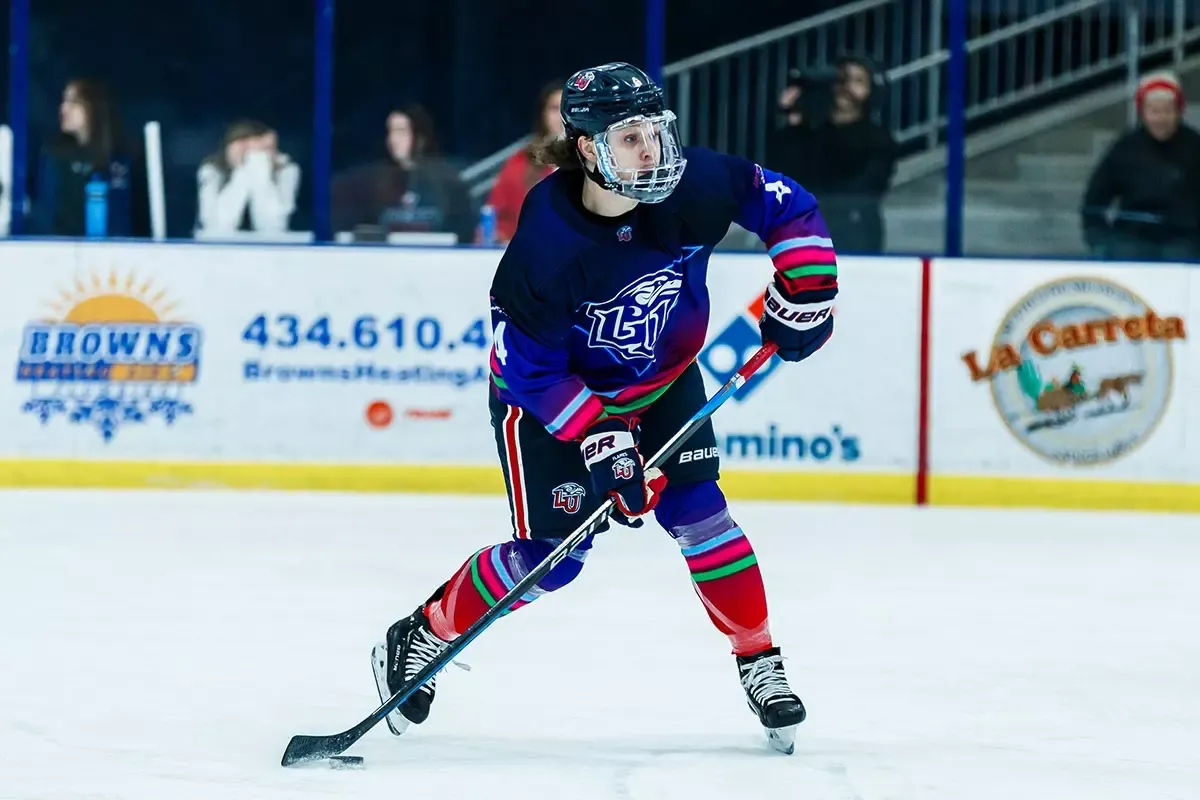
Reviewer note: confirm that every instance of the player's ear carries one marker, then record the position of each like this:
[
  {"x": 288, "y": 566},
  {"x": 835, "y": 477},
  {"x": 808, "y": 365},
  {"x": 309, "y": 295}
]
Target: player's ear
[{"x": 587, "y": 149}]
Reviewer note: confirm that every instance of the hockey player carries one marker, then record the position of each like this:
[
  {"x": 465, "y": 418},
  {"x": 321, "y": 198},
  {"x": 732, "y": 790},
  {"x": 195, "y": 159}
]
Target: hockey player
[{"x": 599, "y": 309}]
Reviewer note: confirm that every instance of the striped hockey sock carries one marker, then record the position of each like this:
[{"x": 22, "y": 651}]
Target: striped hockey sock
[
  {"x": 724, "y": 568},
  {"x": 490, "y": 574},
  {"x": 727, "y": 579}
]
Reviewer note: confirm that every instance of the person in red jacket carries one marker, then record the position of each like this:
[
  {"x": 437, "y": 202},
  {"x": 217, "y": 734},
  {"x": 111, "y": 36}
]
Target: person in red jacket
[{"x": 520, "y": 172}]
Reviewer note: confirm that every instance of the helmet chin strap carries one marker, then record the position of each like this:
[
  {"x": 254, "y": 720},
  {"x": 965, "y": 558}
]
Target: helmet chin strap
[
  {"x": 600, "y": 180},
  {"x": 594, "y": 173}
]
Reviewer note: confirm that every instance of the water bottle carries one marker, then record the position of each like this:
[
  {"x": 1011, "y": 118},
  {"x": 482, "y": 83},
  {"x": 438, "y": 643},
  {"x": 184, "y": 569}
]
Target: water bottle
[
  {"x": 487, "y": 225},
  {"x": 96, "y": 207}
]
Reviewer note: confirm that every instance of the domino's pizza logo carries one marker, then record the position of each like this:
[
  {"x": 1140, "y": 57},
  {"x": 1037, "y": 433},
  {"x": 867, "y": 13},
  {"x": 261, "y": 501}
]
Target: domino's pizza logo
[
  {"x": 733, "y": 345},
  {"x": 568, "y": 497},
  {"x": 623, "y": 468},
  {"x": 631, "y": 323}
]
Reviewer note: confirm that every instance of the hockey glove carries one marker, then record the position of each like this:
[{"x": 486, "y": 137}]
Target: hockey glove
[
  {"x": 616, "y": 465},
  {"x": 798, "y": 328}
]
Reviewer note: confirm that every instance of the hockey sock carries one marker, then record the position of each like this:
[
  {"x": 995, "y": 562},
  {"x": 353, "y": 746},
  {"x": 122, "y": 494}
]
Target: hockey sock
[
  {"x": 722, "y": 563},
  {"x": 490, "y": 574}
]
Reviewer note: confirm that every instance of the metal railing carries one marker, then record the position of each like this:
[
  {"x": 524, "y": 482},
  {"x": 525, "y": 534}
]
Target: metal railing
[
  {"x": 727, "y": 98},
  {"x": 1019, "y": 53}
]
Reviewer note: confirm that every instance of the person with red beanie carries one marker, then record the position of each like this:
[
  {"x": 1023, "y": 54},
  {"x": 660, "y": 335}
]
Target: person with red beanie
[{"x": 1152, "y": 175}]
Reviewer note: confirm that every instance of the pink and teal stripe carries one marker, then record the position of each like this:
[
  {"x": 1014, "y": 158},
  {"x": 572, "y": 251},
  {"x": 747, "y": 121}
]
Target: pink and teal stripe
[
  {"x": 493, "y": 580},
  {"x": 720, "y": 556},
  {"x": 586, "y": 407},
  {"x": 805, "y": 262}
]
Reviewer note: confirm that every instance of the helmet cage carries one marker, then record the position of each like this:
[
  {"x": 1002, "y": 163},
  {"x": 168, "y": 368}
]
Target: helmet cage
[{"x": 619, "y": 150}]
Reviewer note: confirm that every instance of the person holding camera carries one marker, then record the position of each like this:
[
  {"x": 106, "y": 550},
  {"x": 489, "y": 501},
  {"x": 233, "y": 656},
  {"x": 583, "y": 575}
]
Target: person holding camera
[{"x": 833, "y": 142}]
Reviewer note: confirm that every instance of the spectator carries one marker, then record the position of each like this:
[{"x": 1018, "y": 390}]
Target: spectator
[
  {"x": 1152, "y": 173},
  {"x": 414, "y": 190},
  {"x": 846, "y": 157},
  {"x": 248, "y": 185},
  {"x": 90, "y": 143},
  {"x": 521, "y": 171}
]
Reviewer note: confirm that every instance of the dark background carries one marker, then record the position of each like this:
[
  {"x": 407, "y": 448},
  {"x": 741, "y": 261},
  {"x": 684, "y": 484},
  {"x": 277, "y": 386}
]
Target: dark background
[{"x": 197, "y": 65}]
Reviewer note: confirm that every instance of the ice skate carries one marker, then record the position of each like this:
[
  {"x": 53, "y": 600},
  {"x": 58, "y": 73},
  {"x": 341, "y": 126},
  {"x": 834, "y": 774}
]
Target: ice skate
[
  {"x": 409, "y": 647},
  {"x": 770, "y": 698}
]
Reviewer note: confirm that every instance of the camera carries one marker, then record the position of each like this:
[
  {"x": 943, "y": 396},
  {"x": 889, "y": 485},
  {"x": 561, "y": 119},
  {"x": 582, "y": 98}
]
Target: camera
[{"x": 815, "y": 95}]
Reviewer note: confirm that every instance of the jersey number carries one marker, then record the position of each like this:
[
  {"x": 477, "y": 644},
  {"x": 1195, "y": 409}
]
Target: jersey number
[{"x": 501, "y": 353}]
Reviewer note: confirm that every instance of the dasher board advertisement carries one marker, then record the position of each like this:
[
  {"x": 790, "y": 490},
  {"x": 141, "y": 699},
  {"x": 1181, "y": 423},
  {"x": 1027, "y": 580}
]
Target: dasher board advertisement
[{"x": 1077, "y": 371}]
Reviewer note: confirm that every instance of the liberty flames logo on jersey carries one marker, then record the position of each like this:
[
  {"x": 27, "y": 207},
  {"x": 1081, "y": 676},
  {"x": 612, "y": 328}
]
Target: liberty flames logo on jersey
[
  {"x": 631, "y": 322},
  {"x": 569, "y": 497}
]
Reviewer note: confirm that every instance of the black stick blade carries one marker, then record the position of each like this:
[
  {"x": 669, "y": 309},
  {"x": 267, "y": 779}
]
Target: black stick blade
[{"x": 304, "y": 749}]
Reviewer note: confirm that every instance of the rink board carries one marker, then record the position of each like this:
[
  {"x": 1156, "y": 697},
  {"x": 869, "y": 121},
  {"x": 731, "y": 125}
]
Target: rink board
[
  {"x": 366, "y": 368},
  {"x": 1047, "y": 383},
  {"x": 1064, "y": 384}
]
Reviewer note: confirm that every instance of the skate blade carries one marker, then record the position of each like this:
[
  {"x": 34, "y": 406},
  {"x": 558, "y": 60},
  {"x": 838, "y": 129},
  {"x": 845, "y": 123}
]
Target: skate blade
[
  {"x": 782, "y": 739},
  {"x": 396, "y": 722}
]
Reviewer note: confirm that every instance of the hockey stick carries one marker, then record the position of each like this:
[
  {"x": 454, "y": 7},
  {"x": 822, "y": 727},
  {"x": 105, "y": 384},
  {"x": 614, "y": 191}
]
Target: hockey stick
[{"x": 302, "y": 749}]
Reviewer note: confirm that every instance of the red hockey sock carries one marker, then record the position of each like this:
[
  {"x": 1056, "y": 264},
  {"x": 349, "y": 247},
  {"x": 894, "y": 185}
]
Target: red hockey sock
[
  {"x": 490, "y": 574},
  {"x": 727, "y": 580},
  {"x": 461, "y": 601}
]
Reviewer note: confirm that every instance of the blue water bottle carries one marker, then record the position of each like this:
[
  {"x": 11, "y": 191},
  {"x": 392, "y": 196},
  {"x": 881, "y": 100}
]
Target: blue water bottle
[
  {"x": 96, "y": 207},
  {"x": 487, "y": 225}
]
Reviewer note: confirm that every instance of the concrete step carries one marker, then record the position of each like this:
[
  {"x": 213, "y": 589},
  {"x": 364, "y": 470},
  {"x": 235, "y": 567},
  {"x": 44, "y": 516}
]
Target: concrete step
[
  {"x": 987, "y": 231},
  {"x": 995, "y": 192},
  {"x": 1058, "y": 168}
]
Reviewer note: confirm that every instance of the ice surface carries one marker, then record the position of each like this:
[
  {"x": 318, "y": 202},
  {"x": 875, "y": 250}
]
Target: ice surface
[{"x": 167, "y": 645}]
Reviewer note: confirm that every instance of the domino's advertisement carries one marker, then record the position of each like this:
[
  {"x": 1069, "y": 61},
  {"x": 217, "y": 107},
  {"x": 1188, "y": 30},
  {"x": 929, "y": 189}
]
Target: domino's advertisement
[
  {"x": 852, "y": 406},
  {"x": 245, "y": 353}
]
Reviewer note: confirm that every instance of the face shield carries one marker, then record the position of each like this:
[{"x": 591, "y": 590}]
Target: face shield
[{"x": 641, "y": 157}]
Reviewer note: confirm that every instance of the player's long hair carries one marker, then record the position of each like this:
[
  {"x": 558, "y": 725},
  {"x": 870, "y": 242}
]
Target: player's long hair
[{"x": 555, "y": 152}]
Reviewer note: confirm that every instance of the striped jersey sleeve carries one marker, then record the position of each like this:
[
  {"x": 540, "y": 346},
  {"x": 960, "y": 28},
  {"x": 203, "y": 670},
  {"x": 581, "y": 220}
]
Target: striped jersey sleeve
[
  {"x": 785, "y": 217},
  {"x": 536, "y": 376},
  {"x": 533, "y": 299}
]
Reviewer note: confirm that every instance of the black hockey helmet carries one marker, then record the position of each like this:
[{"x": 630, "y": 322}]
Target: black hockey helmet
[{"x": 624, "y": 112}]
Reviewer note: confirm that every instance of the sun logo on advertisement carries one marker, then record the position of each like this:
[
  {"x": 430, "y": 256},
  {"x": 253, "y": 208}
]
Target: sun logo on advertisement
[
  {"x": 1081, "y": 370},
  {"x": 108, "y": 355}
]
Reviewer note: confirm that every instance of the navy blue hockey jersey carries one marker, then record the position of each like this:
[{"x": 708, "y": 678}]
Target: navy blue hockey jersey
[{"x": 597, "y": 316}]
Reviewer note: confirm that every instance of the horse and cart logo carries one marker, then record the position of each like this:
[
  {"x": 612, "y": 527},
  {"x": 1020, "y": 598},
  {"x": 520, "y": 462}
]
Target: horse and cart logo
[{"x": 1081, "y": 370}]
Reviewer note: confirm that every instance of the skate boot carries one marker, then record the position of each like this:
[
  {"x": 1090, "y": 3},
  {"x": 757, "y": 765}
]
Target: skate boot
[
  {"x": 770, "y": 697},
  {"x": 409, "y": 647}
]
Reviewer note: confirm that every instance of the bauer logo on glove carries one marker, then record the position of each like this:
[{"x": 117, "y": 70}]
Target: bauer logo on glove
[
  {"x": 598, "y": 447},
  {"x": 799, "y": 325},
  {"x": 615, "y": 464},
  {"x": 798, "y": 316}
]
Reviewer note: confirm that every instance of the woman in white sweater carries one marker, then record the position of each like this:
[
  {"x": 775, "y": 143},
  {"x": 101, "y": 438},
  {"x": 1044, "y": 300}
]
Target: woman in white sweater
[{"x": 248, "y": 185}]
